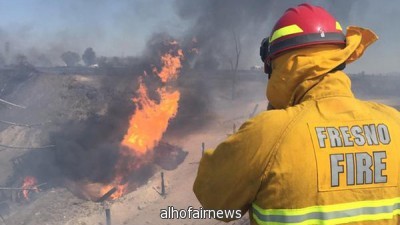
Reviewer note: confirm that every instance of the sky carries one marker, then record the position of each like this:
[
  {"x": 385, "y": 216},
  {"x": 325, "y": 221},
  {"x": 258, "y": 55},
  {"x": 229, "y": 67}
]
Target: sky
[
  {"x": 121, "y": 28},
  {"x": 111, "y": 27}
]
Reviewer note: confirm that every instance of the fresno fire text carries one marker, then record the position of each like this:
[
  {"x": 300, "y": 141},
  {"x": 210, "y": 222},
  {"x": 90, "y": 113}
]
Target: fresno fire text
[{"x": 352, "y": 153}]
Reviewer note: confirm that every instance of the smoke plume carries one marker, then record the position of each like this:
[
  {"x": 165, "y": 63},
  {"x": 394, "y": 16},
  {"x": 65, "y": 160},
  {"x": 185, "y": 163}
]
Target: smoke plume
[{"x": 216, "y": 24}]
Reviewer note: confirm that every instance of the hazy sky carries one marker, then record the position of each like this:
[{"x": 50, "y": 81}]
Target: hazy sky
[
  {"x": 110, "y": 27},
  {"x": 122, "y": 27}
]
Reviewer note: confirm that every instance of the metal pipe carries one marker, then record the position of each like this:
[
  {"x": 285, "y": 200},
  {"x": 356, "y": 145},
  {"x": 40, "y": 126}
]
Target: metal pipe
[{"x": 32, "y": 188}]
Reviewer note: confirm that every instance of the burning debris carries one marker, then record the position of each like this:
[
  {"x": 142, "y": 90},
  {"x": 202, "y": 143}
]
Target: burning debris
[
  {"x": 28, "y": 185},
  {"x": 108, "y": 194},
  {"x": 168, "y": 156},
  {"x": 123, "y": 150},
  {"x": 150, "y": 120}
]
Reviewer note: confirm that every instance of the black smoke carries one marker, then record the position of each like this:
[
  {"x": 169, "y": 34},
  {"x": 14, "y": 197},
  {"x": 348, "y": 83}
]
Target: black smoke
[
  {"x": 216, "y": 23},
  {"x": 213, "y": 22},
  {"x": 88, "y": 149}
]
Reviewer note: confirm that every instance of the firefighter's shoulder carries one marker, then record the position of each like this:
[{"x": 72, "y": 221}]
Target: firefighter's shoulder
[
  {"x": 273, "y": 122},
  {"x": 387, "y": 111}
]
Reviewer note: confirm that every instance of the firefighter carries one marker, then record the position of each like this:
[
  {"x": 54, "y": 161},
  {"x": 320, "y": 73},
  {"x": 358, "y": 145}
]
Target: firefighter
[{"x": 321, "y": 156}]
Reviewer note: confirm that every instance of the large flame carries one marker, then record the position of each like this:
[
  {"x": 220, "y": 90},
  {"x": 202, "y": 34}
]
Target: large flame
[
  {"x": 172, "y": 65},
  {"x": 150, "y": 120}
]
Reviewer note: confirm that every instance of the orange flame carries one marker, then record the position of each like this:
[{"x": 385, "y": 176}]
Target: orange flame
[
  {"x": 121, "y": 189},
  {"x": 29, "y": 184},
  {"x": 150, "y": 120},
  {"x": 172, "y": 65}
]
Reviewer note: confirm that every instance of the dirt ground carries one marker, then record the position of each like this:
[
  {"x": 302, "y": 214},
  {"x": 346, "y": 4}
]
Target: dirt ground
[
  {"x": 53, "y": 98},
  {"x": 143, "y": 206}
]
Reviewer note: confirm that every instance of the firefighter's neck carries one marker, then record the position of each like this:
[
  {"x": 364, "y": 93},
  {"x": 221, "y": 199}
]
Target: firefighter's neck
[{"x": 329, "y": 85}]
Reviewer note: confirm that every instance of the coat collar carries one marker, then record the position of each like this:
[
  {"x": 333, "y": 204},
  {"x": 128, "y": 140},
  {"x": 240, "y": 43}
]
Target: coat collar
[{"x": 304, "y": 74}]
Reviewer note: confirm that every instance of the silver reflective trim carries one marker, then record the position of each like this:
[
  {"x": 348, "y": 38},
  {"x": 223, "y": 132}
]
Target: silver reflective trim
[
  {"x": 350, "y": 168},
  {"x": 370, "y": 134},
  {"x": 336, "y": 169},
  {"x": 383, "y": 132},
  {"x": 334, "y": 137},
  {"x": 356, "y": 131},
  {"x": 326, "y": 215},
  {"x": 364, "y": 171},
  {"x": 321, "y": 136},
  {"x": 379, "y": 167}
]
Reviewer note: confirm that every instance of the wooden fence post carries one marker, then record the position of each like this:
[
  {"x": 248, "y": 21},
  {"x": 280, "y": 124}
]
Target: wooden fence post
[
  {"x": 162, "y": 184},
  {"x": 108, "y": 216}
]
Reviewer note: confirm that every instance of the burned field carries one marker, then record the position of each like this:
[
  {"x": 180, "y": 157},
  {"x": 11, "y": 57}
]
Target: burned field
[
  {"x": 74, "y": 145},
  {"x": 98, "y": 136}
]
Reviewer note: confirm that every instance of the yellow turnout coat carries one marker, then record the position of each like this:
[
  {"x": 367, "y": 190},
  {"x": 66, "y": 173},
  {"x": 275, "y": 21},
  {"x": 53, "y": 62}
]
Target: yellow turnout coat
[{"x": 322, "y": 157}]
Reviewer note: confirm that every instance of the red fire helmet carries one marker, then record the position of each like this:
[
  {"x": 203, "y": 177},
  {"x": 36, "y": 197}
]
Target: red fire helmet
[{"x": 302, "y": 26}]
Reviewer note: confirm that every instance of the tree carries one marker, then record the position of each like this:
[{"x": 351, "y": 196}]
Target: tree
[
  {"x": 89, "y": 57},
  {"x": 235, "y": 63},
  {"x": 2, "y": 60},
  {"x": 102, "y": 61},
  {"x": 21, "y": 60},
  {"x": 71, "y": 58}
]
